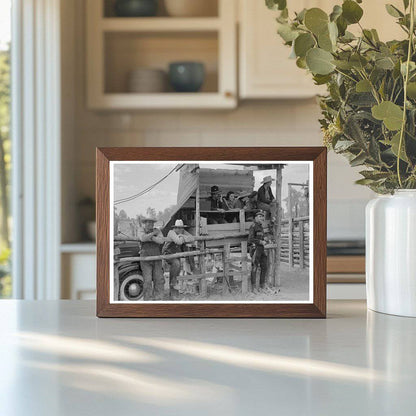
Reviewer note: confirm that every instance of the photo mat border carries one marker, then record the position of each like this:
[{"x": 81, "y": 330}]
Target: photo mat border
[
  {"x": 225, "y": 162},
  {"x": 314, "y": 309}
]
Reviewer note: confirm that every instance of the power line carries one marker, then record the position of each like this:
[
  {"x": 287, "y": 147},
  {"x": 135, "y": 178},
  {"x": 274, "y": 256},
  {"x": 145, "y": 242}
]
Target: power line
[{"x": 148, "y": 189}]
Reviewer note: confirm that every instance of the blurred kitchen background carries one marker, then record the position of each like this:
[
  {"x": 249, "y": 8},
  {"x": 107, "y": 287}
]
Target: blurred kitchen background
[{"x": 118, "y": 87}]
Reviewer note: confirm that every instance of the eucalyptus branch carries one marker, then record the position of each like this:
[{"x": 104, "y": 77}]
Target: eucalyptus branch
[
  {"x": 373, "y": 89},
  {"x": 392, "y": 90},
  {"x": 366, "y": 64},
  {"x": 406, "y": 80},
  {"x": 346, "y": 75}
]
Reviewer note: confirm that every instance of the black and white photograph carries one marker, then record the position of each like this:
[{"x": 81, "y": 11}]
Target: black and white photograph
[{"x": 211, "y": 232}]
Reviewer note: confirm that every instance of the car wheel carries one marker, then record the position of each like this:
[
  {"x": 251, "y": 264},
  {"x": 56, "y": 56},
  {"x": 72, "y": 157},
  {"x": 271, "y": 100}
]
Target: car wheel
[{"x": 131, "y": 288}]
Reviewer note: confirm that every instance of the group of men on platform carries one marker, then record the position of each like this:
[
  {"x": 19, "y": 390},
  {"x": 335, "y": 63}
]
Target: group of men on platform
[
  {"x": 153, "y": 243},
  {"x": 262, "y": 199}
]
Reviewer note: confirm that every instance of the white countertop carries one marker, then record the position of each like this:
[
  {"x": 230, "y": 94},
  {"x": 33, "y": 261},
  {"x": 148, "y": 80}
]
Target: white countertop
[{"x": 56, "y": 358}]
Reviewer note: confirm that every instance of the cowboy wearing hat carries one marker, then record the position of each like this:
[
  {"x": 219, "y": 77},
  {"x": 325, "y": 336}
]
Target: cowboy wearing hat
[
  {"x": 217, "y": 204},
  {"x": 176, "y": 241},
  {"x": 256, "y": 242},
  {"x": 251, "y": 201},
  {"x": 265, "y": 198},
  {"x": 151, "y": 240}
]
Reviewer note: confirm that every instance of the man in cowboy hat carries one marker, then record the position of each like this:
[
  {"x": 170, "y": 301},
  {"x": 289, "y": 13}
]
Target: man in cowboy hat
[
  {"x": 176, "y": 241},
  {"x": 256, "y": 242},
  {"x": 251, "y": 201},
  {"x": 217, "y": 204},
  {"x": 265, "y": 198},
  {"x": 151, "y": 240}
]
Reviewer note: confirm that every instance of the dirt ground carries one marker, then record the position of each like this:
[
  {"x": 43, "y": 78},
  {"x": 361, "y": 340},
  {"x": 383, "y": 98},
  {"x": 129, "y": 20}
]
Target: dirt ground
[{"x": 294, "y": 286}]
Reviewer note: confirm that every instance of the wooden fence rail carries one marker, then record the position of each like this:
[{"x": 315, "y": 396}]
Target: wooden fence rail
[
  {"x": 295, "y": 242},
  {"x": 292, "y": 248},
  {"x": 229, "y": 258}
]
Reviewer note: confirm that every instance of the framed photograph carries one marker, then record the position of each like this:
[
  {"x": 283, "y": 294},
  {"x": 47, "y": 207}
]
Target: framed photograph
[{"x": 211, "y": 232}]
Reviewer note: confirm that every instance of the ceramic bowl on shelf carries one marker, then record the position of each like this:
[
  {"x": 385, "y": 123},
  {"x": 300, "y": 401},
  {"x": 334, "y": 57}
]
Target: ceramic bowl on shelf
[
  {"x": 135, "y": 8},
  {"x": 186, "y": 76},
  {"x": 191, "y": 8},
  {"x": 147, "y": 80}
]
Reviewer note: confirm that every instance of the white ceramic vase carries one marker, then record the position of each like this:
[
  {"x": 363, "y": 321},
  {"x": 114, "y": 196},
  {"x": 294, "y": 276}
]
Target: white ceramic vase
[{"x": 391, "y": 253}]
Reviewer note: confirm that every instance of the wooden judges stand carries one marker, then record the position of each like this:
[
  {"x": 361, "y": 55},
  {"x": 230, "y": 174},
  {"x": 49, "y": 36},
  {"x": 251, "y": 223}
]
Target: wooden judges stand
[{"x": 229, "y": 241}]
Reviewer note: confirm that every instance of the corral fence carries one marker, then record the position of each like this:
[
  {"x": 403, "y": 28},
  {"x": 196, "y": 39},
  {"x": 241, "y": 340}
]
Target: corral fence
[
  {"x": 233, "y": 257},
  {"x": 294, "y": 242}
]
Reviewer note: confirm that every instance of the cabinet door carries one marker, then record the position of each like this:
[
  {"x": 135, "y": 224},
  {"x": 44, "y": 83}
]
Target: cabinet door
[{"x": 265, "y": 68}]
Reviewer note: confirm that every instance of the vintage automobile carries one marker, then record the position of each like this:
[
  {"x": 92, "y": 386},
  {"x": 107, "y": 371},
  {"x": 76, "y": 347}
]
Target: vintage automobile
[{"x": 130, "y": 287}]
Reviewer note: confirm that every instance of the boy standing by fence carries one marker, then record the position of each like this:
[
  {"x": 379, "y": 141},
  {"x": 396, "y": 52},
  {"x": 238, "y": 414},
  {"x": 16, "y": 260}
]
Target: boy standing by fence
[{"x": 256, "y": 242}]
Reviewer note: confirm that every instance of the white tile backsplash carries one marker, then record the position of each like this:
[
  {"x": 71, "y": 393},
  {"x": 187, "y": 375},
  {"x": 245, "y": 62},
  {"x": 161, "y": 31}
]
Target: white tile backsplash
[{"x": 287, "y": 123}]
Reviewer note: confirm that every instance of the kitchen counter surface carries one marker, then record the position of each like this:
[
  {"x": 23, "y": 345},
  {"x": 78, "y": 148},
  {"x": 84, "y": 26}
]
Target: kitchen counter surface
[{"x": 58, "y": 359}]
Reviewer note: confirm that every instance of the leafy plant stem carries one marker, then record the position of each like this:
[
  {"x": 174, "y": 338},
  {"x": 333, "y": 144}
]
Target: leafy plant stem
[
  {"x": 392, "y": 90},
  {"x": 345, "y": 75},
  {"x": 373, "y": 90},
  {"x": 406, "y": 79}
]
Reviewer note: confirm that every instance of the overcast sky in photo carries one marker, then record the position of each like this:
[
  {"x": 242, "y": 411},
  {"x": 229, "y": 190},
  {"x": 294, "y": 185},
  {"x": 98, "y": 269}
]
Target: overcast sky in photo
[{"x": 132, "y": 178}]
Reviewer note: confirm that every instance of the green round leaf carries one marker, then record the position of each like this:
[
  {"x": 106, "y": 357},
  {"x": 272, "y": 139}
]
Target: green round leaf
[
  {"x": 316, "y": 20},
  {"x": 301, "y": 63},
  {"x": 411, "y": 90},
  {"x": 286, "y": 32},
  {"x": 363, "y": 86},
  {"x": 324, "y": 42},
  {"x": 385, "y": 63},
  {"x": 328, "y": 40},
  {"x": 391, "y": 114},
  {"x": 336, "y": 12},
  {"x": 303, "y": 43},
  {"x": 276, "y": 4},
  {"x": 342, "y": 25},
  {"x": 393, "y": 11},
  {"x": 351, "y": 11},
  {"x": 342, "y": 64},
  {"x": 394, "y": 144},
  {"x": 319, "y": 61},
  {"x": 358, "y": 61}
]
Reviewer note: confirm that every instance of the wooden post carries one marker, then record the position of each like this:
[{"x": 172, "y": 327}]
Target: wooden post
[
  {"x": 226, "y": 259},
  {"x": 301, "y": 245},
  {"x": 278, "y": 225},
  {"x": 203, "y": 281},
  {"x": 202, "y": 264},
  {"x": 272, "y": 263},
  {"x": 290, "y": 227},
  {"x": 242, "y": 219},
  {"x": 244, "y": 269},
  {"x": 197, "y": 211}
]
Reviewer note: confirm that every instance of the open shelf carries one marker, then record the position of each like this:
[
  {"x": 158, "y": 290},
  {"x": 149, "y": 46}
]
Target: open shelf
[
  {"x": 211, "y": 9},
  {"x": 130, "y": 101},
  {"x": 127, "y": 51},
  {"x": 116, "y": 46},
  {"x": 160, "y": 24}
]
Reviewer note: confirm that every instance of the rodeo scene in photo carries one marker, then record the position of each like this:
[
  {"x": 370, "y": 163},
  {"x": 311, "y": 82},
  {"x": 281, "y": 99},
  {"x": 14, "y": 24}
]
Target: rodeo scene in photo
[{"x": 211, "y": 231}]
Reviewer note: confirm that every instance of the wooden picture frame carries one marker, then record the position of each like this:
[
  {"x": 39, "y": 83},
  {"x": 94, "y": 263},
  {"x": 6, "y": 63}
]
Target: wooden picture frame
[{"x": 315, "y": 308}]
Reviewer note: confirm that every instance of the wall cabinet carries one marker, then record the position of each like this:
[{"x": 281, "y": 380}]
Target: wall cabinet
[
  {"x": 118, "y": 45},
  {"x": 265, "y": 70}
]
